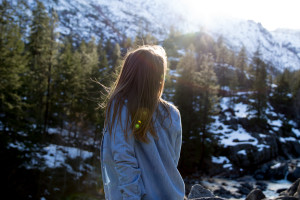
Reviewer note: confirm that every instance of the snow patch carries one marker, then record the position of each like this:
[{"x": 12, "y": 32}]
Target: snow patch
[
  {"x": 296, "y": 132},
  {"x": 220, "y": 159},
  {"x": 241, "y": 110},
  {"x": 56, "y": 155},
  {"x": 242, "y": 152}
]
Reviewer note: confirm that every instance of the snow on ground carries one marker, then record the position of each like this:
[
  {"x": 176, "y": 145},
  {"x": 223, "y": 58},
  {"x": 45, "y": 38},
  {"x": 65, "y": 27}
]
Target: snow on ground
[
  {"x": 276, "y": 123},
  {"x": 296, "y": 132},
  {"x": 287, "y": 139},
  {"x": 262, "y": 135},
  {"x": 244, "y": 93},
  {"x": 56, "y": 155},
  {"x": 220, "y": 159},
  {"x": 224, "y": 103},
  {"x": 277, "y": 165},
  {"x": 230, "y": 137},
  {"x": 241, "y": 110},
  {"x": 17, "y": 145},
  {"x": 270, "y": 112},
  {"x": 273, "y": 186},
  {"x": 228, "y": 165},
  {"x": 242, "y": 152}
]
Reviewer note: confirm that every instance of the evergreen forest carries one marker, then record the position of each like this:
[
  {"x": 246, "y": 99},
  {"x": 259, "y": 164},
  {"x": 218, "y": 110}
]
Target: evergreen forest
[{"x": 50, "y": 116}]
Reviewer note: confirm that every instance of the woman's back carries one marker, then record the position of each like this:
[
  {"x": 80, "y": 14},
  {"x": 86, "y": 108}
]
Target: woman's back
[
  {"x": 136, "y": 170},
  {"x": 142, "y": 140}
]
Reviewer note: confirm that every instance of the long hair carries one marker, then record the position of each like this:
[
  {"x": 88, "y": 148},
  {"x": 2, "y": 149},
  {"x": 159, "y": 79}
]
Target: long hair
[{"x": 139, "y": 85}]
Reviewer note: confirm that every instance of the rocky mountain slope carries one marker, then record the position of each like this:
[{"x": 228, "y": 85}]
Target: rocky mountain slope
[
  {"x": 281, "y": 48},
  {"x": 117, "y": 19}
]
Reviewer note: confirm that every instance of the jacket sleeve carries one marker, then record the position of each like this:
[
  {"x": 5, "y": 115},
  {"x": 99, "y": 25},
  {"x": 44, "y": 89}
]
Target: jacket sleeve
[
  {"x": 130, "y": 180},
  {"x": 178, "y": 141}
]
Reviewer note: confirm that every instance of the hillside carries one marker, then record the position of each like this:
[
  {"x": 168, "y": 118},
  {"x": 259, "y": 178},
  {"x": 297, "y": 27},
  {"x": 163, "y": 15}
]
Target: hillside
[
  {"x": 120, "y": 19},
  {"x": 240, "y": 116}
]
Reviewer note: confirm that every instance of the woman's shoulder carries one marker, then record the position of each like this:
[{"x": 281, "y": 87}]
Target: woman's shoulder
[{"x": 170, "y": 107}]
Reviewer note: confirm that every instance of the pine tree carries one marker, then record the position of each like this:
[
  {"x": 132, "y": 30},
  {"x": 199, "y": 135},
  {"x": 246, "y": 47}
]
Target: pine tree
[
  {"x": 282, "y": 96},
  {"x": 183, "y": 98},
  {"x": 116, "y": 57},
  {"x": 296, "y": 98},
  {"x": 41, "y": 57},
  {"x": 12, "y": 69},
  {"x": 222, "y": 60},
  {"x": 195, "y": 96},
  {"x": 144, "y": 39},
  {"x": 205, "y": 104},
  {"x": 65, "y": 82},
  {"x": 103, "y": 74},
  {"x": 241, "y": 64},
  {"x": 127, "y": 43},
  {"x": 103, "y": 63},
  {"x": 259, "y": 86},
  {"x": 169, "y": 43},
  {"x": 51, "y": 63}
]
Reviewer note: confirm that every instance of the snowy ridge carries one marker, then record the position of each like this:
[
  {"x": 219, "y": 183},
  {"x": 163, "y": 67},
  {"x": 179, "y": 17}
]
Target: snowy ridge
[
  {"x": 114, "y": 18},
  {"x": 119, "y": 19},
  {"x": 279, "y": 48}
]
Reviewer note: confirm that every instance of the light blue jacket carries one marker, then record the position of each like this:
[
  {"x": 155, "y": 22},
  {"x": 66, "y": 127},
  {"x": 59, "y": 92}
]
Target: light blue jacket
[{"x": 134, "y": 170}]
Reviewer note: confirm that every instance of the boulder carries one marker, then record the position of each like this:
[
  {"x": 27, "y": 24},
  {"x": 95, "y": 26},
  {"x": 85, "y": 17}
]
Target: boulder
[
  {"x": 289, "y": 149},
  {"x": 261, "y": 185},
  {"x": 198, "y": 191},
  {"x": 286, "y": 198},
  {"x": 245, "y": 188},
  {"x": 292, "y": 193},
  {"x": 292, "y": 190},
  {"x": 294, "y": 174},
  {"x": 208, "y": 198},
  {"x": 278, "y": 171},
  {"x": 222, "y": 192},
  {"x": 255, "y": 194},
  {"x": 281, "y": 190},
  {"x": 254, "y": 155},
  {"x": 272, "y": 170}
]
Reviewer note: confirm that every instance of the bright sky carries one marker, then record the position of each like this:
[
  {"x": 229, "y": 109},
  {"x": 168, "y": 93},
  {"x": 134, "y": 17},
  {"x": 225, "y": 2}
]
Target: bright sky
[{"x": 271, "y": 14}]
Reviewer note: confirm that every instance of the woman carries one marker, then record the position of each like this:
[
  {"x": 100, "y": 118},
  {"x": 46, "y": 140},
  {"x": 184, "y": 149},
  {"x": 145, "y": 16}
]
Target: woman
[{"x": 142, "y": 136}]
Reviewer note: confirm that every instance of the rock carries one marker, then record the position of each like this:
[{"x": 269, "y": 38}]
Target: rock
[
  {"x": 247, "y": 185},
  {"x": 286, "y": 198},
  {"x": 281, "y": 190},
  {"x": 245, "y": 188},
  {"x": 278, "y": 171},
  {"x": 289, "y": 149},
  {"x": 208, "y": 198},
  {"x": 272, "y": 170},
  {"x": 292, "y": 190},
  {"x": 245, "y": 179},
  {"x": 261, "y": 172},
  {"x": 294, "y": 175},
  {"x": 198, "y": 191},
  {"x": 254, "y": 155},
  {"x": 222, "y": 192},
  {"x": 255, "y": 194},
  {"x": 261, "y": 185},
  {"x": 297, "y": 194}
]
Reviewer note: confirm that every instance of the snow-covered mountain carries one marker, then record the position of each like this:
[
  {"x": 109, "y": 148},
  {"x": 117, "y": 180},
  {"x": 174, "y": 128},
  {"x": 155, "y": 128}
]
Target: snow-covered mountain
[
  {"x": 281, "y": 48},
  {"x": 117, "y": 19},
  {"x": 113, "y": 18}
]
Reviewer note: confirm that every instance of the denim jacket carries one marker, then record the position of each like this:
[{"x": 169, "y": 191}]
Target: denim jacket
[{"x": 133, "y": 170}]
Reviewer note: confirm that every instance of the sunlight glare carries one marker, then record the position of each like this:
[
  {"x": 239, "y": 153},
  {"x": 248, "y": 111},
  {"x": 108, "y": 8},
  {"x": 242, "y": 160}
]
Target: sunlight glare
[{"x": 271, "y": 13}]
